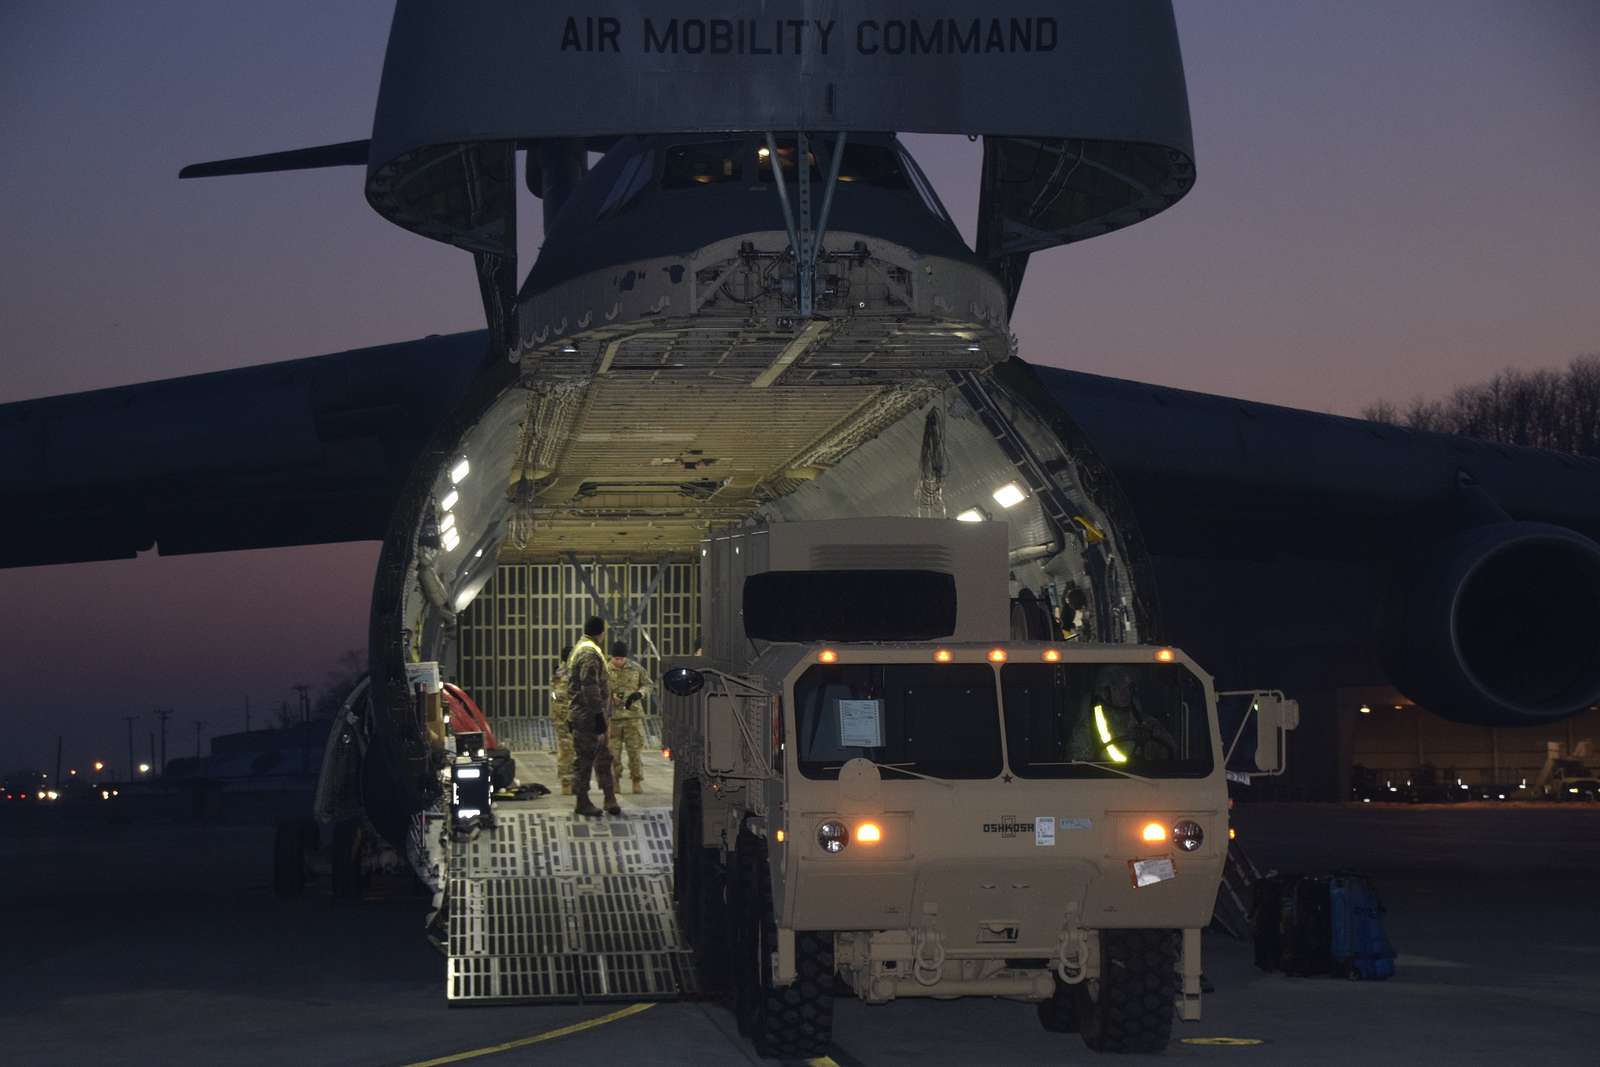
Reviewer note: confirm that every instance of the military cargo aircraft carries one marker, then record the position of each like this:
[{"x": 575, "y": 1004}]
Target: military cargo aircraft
[{"x": 754, "y": 307}]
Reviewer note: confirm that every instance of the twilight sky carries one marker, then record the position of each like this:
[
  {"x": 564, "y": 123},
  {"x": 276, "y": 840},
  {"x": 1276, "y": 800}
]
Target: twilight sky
[{"x": 1392, "y": 199}]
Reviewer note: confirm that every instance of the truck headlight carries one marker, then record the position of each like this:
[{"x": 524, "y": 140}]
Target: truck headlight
[
  {"x": 1188, "y": 835},
  {"x": 833, "y": 836}
]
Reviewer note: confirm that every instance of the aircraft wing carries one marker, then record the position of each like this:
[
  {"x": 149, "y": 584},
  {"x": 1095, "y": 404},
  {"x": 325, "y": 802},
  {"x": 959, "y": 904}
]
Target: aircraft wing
[
  {"x": 309, "y": 451},
  {"x": 1214, "y": 477}
]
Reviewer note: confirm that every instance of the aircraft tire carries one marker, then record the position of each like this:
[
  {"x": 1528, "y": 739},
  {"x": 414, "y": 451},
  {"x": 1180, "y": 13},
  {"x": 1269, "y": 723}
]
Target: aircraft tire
[
  {"x": 1130, "y": 1007},
  {"x": 348, "y": 840},
  {"x": 787, "y": 1022}
]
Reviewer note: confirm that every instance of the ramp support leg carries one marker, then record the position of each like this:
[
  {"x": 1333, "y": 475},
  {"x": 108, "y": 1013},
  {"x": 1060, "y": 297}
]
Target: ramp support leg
[
  {"x": 1189, "y": 1004},
  {"x": 784, "y": 972}
]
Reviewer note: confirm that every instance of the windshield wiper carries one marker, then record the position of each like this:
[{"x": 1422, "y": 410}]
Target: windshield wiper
[
  {"x": 902, "y": 768},
  {"x": 1112, "y": 767}
]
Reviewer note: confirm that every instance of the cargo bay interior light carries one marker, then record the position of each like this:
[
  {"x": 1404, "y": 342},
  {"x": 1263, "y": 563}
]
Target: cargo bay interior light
[
  {"x": 450, "y": 540},
  {"x": 971, "y": 515},
  {"x": 460, "y": 471},
  {"x": 451, "y": 499},
  {"x": 1009, "y": 495},
  {"x": 447, "y": 523}
]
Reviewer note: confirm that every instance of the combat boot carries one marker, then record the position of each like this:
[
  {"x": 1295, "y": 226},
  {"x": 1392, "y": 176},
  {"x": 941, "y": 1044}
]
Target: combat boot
[
  {"x": 638, "y": 785},
  {"x": 612, "y": 807},
  {"x": 585, "y": 805}
]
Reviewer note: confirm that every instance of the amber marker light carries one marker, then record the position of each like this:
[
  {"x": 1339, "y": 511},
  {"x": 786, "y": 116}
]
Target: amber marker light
[
  {"x": 1165, "y": 655},
  {"x": 997, "y": 655},
  {"x": 666, "y": 753},
  {"x": 1052, "y": 655},
  {"x": 780, "y": 835},
  {"x": 1153, "y": 832},
  {"x": 1233, "y": 835},
  {"x": 943, "y": 656},
  {"x": 827, "y": 655},
  {"x": 868, "y": 833}
]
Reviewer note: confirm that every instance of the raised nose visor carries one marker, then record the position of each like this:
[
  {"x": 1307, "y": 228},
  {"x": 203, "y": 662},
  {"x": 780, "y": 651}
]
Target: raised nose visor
[{"x": 883, "y": 312}]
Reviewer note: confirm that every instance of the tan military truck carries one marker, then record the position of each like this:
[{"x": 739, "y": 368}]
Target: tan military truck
[{"x": 1040, "y": 821}]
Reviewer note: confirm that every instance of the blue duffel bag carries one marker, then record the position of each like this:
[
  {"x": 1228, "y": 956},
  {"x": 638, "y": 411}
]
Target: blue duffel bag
[{"x": 1358, "y": 944}]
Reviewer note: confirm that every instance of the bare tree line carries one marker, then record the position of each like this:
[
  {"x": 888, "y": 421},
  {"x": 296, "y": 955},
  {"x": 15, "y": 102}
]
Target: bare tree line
[{"x": 1552, "y": 409}]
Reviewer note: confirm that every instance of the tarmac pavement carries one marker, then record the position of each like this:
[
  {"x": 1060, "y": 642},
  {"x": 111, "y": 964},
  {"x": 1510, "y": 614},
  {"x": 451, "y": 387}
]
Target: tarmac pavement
[{"x": 144, "y": 938}]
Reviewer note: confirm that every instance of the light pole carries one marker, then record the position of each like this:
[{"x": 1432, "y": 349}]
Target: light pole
[
  {"x": 130, "y": 719},
  {"x": 163, "y": 714}
]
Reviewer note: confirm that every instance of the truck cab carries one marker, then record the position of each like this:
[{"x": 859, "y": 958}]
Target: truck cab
[{"x": 1039, "y": 820}]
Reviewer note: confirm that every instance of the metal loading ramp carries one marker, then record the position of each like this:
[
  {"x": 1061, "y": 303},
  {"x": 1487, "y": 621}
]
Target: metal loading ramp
[{"x": 551, "y": 907}]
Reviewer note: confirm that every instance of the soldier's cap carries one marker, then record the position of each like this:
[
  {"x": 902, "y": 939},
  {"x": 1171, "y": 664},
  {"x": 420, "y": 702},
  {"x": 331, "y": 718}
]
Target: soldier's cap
[{"x": 619, "y": 648}]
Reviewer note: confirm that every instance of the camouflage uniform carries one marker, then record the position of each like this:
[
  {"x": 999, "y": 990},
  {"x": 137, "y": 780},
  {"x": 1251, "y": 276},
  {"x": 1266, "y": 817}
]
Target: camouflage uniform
[
  {"x": 561, "y": 719},
  {"x": 628, "y": 723},
  {"x": 589, "y": 699}
]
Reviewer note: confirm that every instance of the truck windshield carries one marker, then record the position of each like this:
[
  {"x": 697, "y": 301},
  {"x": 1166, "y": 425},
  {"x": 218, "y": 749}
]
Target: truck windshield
[
  {"x": 937, "y": 720},
  {"x": 1147, "y": 719}
]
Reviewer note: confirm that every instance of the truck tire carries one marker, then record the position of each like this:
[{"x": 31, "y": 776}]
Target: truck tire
[
  {"x": 1059, "y": 1014},
  {"x": 1129, "y": 1008},
  {"x": 787, "y": 1022},
  {"x": 289, "y": 843},
  {"x": 698, "y": 891}
]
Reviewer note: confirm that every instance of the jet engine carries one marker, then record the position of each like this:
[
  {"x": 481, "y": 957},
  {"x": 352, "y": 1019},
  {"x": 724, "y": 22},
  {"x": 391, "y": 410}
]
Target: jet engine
[{"x": 1499, "y": 625}]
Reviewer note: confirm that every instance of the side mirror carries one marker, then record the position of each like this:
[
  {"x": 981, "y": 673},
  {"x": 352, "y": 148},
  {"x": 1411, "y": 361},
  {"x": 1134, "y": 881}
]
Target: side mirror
[
  {"x": 1275, "y": 716},
  {"x": 683, "y": 681}
]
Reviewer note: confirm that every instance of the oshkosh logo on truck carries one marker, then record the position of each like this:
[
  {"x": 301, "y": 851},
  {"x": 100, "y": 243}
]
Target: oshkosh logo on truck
[{"x": 1008, "y": 826}]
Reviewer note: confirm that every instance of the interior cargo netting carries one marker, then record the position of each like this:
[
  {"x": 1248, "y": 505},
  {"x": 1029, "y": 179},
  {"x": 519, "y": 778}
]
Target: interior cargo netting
[{"x": 1082, "y": 105}]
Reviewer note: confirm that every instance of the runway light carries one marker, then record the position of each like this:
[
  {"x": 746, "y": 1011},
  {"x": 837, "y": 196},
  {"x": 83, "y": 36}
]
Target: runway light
[
  {"x": 997, "y": 655},
  {"x": 73, "y": 772},
  {"x": 1165, "y": 655},
  {"x": 99, "y": 765},
  {"x": 1153, "y": 832},
  {"x": 943, "y": 656},
  {"x": 451, "y": 499},
  {"x": 1365, "y": 710},
  {"x": 1052, "y": 655},
  {"x": 460, "y": 471},
  {"x": 144, "y": 768},
  {"x": 971, "y": 515},
  {"x": 1009, "y": 495},
  {"x": 868, "y": 833},
  {"x": 827, "y": 655}
]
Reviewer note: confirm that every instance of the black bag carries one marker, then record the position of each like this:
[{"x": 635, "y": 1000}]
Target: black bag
[
  {"x": 1290, "y": 925},
  {"x": 1317, "y": 924}
]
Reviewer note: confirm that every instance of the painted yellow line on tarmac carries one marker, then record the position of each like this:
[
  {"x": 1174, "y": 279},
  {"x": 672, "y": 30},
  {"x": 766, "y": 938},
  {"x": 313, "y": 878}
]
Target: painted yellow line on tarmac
[
  {"x": 1232, "y": 1042},
  {"x": 536, "y": 1039},
  {"x": 822, "y": 1061}
]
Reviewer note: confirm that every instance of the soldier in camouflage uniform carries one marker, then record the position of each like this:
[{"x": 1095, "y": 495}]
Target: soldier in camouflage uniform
[
  {"x": 629, "y": 687},
  {"x": 590, "y": 699},
  {"x": 560, "y": 718}
]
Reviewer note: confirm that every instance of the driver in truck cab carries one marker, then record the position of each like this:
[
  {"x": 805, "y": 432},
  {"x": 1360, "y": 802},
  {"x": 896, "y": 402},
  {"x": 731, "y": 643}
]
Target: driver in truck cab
[{"x": 1114, "y": 727}]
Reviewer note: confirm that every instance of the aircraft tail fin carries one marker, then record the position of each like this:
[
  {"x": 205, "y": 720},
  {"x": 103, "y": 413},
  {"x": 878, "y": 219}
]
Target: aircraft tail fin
[{"x": 343, "y": 154}]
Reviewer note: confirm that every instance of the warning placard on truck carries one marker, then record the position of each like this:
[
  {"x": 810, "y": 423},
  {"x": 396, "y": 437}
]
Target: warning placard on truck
[{"x": 861, "y": 723}]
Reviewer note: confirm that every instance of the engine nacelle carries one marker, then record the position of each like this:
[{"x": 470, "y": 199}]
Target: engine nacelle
[{"x": 1499, "y": 625}]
